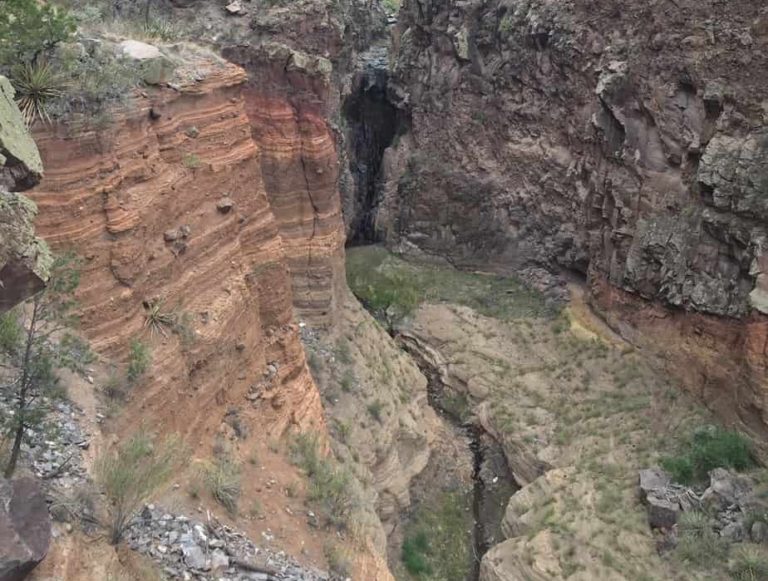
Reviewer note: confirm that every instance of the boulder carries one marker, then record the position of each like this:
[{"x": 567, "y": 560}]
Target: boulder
[
  {"x": 653, "y": 479},
  {"x": 234, "y": 8},
  {"x": 20, "y": 164},
  {"x": 155, "y": 67},
  {"x": 24, "y": 259},
  {"x": 224, "y": 205},
  {"x": 25, "y": 527},
  {"x": 726, "y": 489},
  {"x": 734, "y": 532},
  {"x": 194, "y": 556},
  {"x": 662, "y": 512},
  {"x": 759, "y": 532}
]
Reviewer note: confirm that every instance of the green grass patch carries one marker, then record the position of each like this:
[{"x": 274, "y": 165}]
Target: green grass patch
[
  {"x": 392, "y": 288},
  {"x": 331, "y": 488},
  {"x": 708, "y": 448},
  {"x": 438, "y": 539}
]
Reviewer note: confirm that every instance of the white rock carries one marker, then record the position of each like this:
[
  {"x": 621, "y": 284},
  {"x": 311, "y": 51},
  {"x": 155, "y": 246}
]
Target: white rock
[
  {"x": 235, "y": 7},
  {"x": 139, "y": 50},
  {"x": 219, "y": 560}
]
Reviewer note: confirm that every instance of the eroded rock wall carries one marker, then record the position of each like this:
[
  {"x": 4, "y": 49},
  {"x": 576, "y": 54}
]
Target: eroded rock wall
[
  {"x": 622, "y": 140},
  {"x": 139, "y": 201}
]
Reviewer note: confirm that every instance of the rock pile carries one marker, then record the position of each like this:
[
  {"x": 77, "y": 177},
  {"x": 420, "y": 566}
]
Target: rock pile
[
  {"x": 188, "y": 549},
  {"x": 729, "y": 498},
  {"x": 53, "y": 451}
]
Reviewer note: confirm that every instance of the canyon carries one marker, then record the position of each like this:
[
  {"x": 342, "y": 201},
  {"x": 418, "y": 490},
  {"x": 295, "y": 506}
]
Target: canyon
[{"x": 494, "y": 258}]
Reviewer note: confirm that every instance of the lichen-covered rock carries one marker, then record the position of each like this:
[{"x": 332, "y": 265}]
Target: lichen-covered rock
[
  {"x": 20, "y": 165},
  {"x": 24, "y": 258}
]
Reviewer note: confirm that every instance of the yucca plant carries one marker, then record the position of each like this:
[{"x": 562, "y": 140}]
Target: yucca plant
[
  {"x": 157, "y": 320},
  {"x": 37, "y": 85}
]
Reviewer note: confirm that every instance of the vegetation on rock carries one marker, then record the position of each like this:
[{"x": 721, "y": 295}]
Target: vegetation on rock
[
  {"x": 130, "y": 474},
  {"x": 36, "y": 340},
  {"x": 391, "y": 288},
  {"x": 708, "y": 448}
]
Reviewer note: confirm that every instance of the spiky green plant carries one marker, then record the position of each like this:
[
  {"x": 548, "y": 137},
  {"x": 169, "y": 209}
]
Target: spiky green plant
[
  {"x": 157, "y": 320},
  {"x": 37, "y": 85}
]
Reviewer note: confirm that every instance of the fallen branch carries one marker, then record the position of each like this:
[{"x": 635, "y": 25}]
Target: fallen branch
[{"x": 253, "y": 567}]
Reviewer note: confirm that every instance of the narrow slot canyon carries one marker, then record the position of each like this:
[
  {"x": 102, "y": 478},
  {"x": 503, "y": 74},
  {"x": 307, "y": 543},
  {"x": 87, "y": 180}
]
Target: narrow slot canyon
[
  {"x": 492, "y": 480},
  {"x": 373, "y": 123}
]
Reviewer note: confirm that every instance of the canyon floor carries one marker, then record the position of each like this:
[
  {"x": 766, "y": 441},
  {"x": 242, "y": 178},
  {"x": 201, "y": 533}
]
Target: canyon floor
[{"x": 577, "y": 411}]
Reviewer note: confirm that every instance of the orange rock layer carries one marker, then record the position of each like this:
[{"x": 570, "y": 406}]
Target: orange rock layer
[
  {"x": 138, "y": 201},
  {"x": 723, "y": 361}
]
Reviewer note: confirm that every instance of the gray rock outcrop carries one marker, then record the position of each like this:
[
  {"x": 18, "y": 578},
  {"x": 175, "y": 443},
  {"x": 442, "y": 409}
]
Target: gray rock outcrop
[{"x": 25, "y": 527}]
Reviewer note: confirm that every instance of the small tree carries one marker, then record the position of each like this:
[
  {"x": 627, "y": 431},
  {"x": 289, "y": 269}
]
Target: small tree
[
  {"x": 34, "y": 342},
  {"x": 29, "y": 28},
  {"x": 130, "y": 474}
]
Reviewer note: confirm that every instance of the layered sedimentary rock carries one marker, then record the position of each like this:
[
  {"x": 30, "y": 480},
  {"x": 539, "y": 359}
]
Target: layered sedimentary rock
[
  {"x": 286, "y": 101},
  {"x": 299, "y": 58},
  {"x": 167, "y": 207},
  {"x": 624, "y": 141},
  {"x": 24, "y": 259}
]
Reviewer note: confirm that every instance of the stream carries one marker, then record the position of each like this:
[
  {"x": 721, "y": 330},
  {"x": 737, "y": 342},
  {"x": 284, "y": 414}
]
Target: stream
[{"x": 492, "y": 480}]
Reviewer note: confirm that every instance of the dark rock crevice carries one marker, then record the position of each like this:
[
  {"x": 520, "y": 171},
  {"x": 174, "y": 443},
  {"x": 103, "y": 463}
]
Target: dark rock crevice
[
  {"x": 493, "y": 482},
  {"x": 373, "y": 124}
]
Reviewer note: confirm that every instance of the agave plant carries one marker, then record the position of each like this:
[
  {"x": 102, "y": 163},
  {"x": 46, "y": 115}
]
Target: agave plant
[
  {"x": 37, "y": 84},
  {"x": 158, "y": 320}
]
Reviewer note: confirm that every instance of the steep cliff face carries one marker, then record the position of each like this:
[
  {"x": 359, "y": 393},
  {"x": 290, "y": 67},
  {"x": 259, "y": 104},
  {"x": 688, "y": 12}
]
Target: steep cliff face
[
  {"x": 623, "y": 141},
  {"x": 167, "y": 206},
  {"x": 217, "y": 198},
  {"x": 299, "y": 59}
]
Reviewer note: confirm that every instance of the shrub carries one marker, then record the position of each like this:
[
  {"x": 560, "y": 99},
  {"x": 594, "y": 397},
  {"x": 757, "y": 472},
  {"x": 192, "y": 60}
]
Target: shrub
[
  {"x": 436, "y": 544},
  {"x": 223, "y": 480},
  {"x": 29, "y": 28},
  {"x": 698, "y": 544},
  {"x": 749, "y": 563},
  {"x": 338, "y": 560},
  {"x": 158, "y": 320},
  {"x": 134, "y": 471},
  {"x": 347, "y": 381},
  {"x": 330, "y": 486},
  {"x": 191, "y": 161},
  {"x": 114, "y": 387},
  {"x": 94, "y": 78},
  {"x": 694, "y": 524},
  {"x": 375, "y": 408},
  {"x": 414, "y": 553},
  {"x": 709, "y": 448},
  {"x": 342, "y": 352},
  {"x": 138, "y": 360},
  {"x": 10, "y": 330},
  {"x": 313, "y": 360}
]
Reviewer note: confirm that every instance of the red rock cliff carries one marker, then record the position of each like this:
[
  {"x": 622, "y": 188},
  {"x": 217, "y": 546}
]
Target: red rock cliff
[{"x": 138, "y": 200}]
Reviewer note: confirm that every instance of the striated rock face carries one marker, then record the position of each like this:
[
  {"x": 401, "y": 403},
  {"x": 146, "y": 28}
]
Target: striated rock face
[
  {"x": 299, "y": 58},
  {"x": 24, "y": 258},
  {"x": 138, "y": 201},
  {"x": 625, "y": 141},
  {"x": 286, "y": 101}
]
